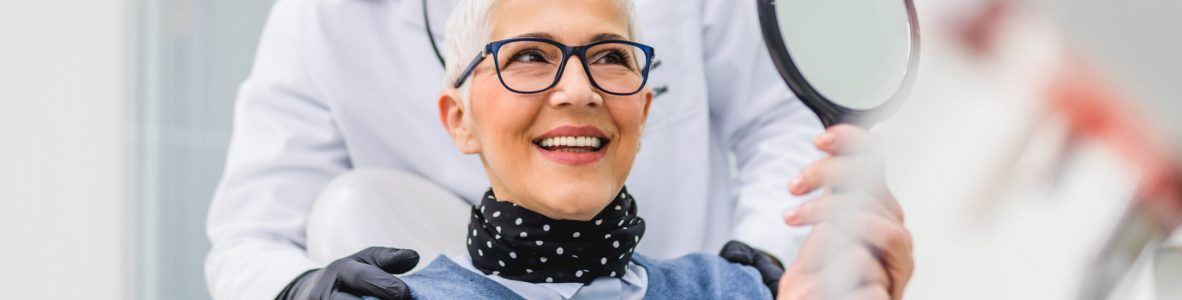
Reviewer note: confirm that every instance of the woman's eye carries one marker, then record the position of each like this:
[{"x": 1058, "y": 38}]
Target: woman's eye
[
  {"x": 529, "y": 56},
  {"x": 614, "y": 57}
]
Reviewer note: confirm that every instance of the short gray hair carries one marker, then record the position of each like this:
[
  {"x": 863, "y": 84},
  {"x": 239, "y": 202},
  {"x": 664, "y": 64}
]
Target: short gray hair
[{"x": 469, "y": 29}]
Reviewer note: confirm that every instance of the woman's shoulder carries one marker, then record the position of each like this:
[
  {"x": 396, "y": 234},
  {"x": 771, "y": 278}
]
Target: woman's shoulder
[
  {"x": 701, "y": 276},
  {"x": 444, "y": 279}
]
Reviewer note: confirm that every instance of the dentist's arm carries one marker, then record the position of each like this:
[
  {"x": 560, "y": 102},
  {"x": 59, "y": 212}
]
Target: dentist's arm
[
  {"x": 769, "y": 131},
  {"x": 285, "y": 148}
]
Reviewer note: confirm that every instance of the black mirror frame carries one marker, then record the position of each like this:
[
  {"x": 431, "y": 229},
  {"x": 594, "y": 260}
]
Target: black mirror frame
[{"x": 829, "y": 112}]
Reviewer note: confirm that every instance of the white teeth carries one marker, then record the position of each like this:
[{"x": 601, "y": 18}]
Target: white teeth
[{"x": 572, "y": 141}]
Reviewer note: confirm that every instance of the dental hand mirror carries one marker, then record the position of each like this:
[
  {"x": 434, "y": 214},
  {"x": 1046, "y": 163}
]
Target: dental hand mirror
[{"x": 849, "y": 61}]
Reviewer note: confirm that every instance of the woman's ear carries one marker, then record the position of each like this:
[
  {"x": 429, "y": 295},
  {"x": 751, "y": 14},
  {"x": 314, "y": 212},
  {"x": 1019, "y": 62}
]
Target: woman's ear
[
  {"x": 648, "y": 101},
  {"x": 451, "y": 114}
]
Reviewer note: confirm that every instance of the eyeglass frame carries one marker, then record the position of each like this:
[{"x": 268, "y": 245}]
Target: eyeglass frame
[{"x": 494, "y": 49}]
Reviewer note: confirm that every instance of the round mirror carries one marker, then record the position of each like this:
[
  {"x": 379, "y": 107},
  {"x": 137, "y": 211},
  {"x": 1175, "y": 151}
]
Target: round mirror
[{"x": 847, "y": 60}]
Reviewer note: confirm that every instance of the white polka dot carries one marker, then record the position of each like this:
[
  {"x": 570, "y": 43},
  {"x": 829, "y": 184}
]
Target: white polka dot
[
  {"x": 579, "y": 273},
  {"x": 529, "y": 270},
  {"x": 637, "y": 238},
  {"x": 518, "y": 221},
  {"x": 539, "y": 242},
  {"x": 576, "y": 234},
  {"x": 498, "y": 236},
  {"x": 473, "y": 232},
  {"x": 603, "y": 261},
  {"x": 618, "y": 207},
  {"x": 546, "y": 227},
  {"x": 559, "y": 250},
  {"x": 498, "y": 229},
  {"x": 496, "y": 214},
  {"x": 469, "y": 241},
  {"x": 543, "y": 259},
  {"x": 613, "y": 274},
  {"x": 621, "y": 256},
  {"x": 489, "y": 243},
  {"x": 621, "y": 223},
  {"x": 549, "y": 279},
  {"x": 631, "y": 249},
  {"x": 600, "y": 221},
  {"x": 615, "y": 244},
  {"x": 482, "y": 206},
  {"x": 501, "y": 262},
  {"x": 607, "y": 236},
  {"x": 523, "y": 234},
  {"x": 513, "y": 255},
  {"x": 481, "y": 252}
]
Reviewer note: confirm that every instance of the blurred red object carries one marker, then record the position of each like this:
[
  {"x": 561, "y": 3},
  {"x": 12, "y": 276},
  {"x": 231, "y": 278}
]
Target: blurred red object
[
  {"x": 980, "y": 32},
  {"x": 1096, "y": 110}
]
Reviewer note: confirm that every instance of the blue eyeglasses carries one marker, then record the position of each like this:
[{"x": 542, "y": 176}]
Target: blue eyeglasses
[{"x": 534, "y": 65}]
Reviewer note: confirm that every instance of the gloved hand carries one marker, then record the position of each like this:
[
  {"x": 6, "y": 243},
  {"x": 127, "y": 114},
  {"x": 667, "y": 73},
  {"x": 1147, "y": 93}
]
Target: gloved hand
[
  {"x": 770, "y": 269},
  {"x": 367, "y": 273}
]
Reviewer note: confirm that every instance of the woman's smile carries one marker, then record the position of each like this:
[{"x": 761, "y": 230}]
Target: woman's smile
[{"x": 573, "y": 145}]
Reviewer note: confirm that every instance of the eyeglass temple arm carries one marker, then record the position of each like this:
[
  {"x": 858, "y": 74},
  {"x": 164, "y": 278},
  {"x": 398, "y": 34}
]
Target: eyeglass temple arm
[{"x": 471, "y": 68}]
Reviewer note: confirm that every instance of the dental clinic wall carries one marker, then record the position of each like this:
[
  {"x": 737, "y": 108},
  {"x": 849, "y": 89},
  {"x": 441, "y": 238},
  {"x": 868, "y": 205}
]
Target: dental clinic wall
[
  {"x": 193, "y": 56},
  {"x": 63, "y": 88},
  {"x": 114, "y": 121}
]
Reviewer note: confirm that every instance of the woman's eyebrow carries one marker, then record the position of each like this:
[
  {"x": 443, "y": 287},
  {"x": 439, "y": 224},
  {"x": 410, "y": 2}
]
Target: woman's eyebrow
[
  {"x": 536, "y": 35},
  {"x": 606, "y": 37}
]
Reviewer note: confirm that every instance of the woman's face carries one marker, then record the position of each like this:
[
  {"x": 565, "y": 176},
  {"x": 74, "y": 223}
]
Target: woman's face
[{"x": 514, "y": 133}]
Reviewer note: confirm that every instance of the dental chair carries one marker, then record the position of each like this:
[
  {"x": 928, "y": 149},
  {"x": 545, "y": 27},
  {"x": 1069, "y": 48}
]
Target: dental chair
[{"x": 387, "y": 208}]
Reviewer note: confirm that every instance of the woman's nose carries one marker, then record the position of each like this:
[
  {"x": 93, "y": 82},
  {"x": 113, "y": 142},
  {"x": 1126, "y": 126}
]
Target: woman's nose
[{"x": 574, "y": 87}]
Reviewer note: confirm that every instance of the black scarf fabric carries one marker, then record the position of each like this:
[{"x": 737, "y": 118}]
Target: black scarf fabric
[{"x": 515, "y": 243}]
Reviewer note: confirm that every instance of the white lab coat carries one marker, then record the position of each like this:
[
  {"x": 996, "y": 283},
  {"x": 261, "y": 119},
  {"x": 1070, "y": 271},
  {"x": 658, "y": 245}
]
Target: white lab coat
[{"x": 341, "y": 84}]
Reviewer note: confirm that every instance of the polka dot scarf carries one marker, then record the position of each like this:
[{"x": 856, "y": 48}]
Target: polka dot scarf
[{"x": 516, "y": 243}]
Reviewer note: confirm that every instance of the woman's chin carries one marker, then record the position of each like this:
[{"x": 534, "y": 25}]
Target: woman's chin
[{"x": 579, "y": 205}]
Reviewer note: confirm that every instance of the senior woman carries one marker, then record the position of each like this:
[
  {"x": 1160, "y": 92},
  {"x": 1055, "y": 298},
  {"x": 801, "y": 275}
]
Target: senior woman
[
  {"x": 555, "y": 108},
  {"x": 554, "y": 103}
]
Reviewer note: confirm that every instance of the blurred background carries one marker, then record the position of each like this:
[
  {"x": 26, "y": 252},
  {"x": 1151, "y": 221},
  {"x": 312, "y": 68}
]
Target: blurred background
[{"x": 117, "y": 115}]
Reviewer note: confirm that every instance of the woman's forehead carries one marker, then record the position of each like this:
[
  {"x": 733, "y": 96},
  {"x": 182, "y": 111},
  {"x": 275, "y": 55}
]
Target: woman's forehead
[
  {"x": 603, "y": 36},
  {"x": 566, "y": 21}
]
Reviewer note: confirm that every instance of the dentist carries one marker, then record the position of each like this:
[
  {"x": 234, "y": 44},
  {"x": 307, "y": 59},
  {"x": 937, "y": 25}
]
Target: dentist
[{"x": 344, "y": 84}]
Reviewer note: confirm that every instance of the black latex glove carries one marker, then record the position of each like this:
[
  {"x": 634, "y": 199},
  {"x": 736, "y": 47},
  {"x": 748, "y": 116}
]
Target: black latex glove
[
  {"x": 367, "y": 273},
  {"x": 768, "y": 266}
]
